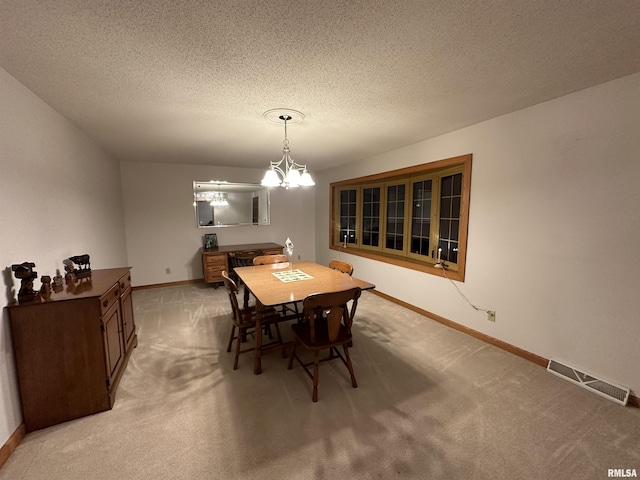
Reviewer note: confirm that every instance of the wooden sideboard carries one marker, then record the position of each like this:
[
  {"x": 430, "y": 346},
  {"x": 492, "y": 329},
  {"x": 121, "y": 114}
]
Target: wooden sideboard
[
  {"x": 72, "y": 348},
  {"x": 214, "y": 261}
]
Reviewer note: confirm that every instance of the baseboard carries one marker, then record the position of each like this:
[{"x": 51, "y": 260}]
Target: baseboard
[
  {"x": 532, "y": 357},
  {"x": 11, "y": 444},
  {"x": 168, "y": 284}
]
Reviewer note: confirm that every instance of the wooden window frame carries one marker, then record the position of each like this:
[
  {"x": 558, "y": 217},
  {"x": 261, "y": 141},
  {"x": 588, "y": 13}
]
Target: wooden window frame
[{"x": 409, "y": 174}]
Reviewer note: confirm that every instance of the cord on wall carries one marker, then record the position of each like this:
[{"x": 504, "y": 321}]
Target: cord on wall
[{"x": 491, "y": 314}]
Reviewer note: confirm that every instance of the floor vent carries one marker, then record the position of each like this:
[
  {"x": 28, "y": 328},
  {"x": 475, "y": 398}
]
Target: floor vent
[{"x": 608, "y": 390}]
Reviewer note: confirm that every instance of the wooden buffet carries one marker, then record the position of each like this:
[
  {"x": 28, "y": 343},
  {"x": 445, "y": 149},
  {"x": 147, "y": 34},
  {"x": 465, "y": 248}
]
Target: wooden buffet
[
  {"x": 72, "y": 348},
  {"x": 214, "y": 261}
]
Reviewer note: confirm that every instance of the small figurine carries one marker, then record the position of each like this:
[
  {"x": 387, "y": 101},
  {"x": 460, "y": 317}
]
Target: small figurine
[
  {"x": 57, "y": 279},
  {"x": 45, "y": 289},
  {"x": 25, "y": 273},
  {"x": 84, "y": 264},
  {"x": 46, "y": 283},
  {"x": 70, "y": 276}
]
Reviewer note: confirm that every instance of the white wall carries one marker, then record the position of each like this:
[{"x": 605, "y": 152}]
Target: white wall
[
  {"x": 554, "y": 229},
  {"x": 161, "y": 226},
  {"x": 60, "y": 196}
]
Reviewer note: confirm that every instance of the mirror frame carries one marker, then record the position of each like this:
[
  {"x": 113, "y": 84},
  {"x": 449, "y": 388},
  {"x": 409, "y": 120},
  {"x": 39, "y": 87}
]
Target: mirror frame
[{"x": 233, "y": 188}]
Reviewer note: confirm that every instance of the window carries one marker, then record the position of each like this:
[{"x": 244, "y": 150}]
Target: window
[{"x": 406, "y": 217}]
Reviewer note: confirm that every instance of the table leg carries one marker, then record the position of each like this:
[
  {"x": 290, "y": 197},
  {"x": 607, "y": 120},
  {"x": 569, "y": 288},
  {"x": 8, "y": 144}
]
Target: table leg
[{"x": 246, "y": 297}]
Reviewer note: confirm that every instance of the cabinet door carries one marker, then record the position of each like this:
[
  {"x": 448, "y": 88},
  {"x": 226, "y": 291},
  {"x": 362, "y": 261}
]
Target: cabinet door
[
  {"x": 113, "y": 342},
  {"x": 128, "y": 325}
]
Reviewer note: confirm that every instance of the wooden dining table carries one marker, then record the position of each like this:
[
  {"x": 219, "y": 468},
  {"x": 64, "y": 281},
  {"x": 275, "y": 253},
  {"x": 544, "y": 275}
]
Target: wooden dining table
[{"x": 284, "y": 283}]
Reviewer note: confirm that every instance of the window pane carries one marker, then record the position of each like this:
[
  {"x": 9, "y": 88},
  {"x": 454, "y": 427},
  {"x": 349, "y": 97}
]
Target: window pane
[
  {"x": 395, "y": 217},
  {"x": 348, "y": 216},
  {"x": 445, "y": 207},
  {"x": 455, "y": 207},
  {"x": 457, "y": 184},
  {"x": 446, "y": 188},
  {"x": 449, "y": 233},
  {"x": 455, "y": 226},
  {"x": 370, "y": 215},
  {"x": 421, "y": 217},
  {"x": 444, "y": 229}
]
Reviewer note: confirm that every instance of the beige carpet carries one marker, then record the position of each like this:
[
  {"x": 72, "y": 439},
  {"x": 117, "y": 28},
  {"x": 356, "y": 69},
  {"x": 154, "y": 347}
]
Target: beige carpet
[{"x": 432, "y": 403}]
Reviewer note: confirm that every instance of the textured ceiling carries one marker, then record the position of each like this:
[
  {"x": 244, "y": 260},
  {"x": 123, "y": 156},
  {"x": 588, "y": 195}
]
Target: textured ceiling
[{"x": 188, "y": 81}]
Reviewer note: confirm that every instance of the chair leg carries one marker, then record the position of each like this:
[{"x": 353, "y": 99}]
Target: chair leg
[
  {"x": 237, "y": 355},
  {"x": 350, "y": 367},
  {"x": 233, "y": 332},
  {"x": 316, "y": 373},
  {"x": 292, "y": 354},
  {"x": 279, "y": 336},
  {"x": 267, "y": 330}
]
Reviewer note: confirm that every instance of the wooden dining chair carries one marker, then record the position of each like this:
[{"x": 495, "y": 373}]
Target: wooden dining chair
[
  {"x": 242, "y": 259},
  {"x": 270, "y": 259},
  {"x": 244, "y": 321},
  {"x": 320, "y": 331},
  {"x": 342, "y": 266}
]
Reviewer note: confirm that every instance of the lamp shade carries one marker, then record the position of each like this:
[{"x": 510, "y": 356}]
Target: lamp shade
[
  {"x": 271, "y": 179},
  {"x": 293, "y": 178},
  {"x": 306, "y": 180}
]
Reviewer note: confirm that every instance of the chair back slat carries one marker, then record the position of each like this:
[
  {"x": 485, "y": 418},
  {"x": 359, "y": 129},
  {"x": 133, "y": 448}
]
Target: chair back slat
[
  {"x": 335, "y": 303},
  {"x": 342, "y": 266},
  {"x": 232, "y": 290},
  {"x": 270, "y": 259},
  {"x": 245, "y": 258}
]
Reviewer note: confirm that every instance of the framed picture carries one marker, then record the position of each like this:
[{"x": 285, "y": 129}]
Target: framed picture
[{"x": 210, "y": 241}]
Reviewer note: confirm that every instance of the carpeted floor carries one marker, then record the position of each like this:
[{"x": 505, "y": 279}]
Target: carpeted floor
[{"x": 431, "y": 403}]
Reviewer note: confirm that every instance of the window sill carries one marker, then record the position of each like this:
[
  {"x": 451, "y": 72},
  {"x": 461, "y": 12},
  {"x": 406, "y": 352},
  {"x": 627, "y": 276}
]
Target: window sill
[{"x": 400, "y": 262}]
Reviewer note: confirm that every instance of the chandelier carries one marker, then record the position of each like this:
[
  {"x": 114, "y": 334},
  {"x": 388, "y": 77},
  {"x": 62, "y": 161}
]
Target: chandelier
[
  {"x": 215, "y": 199},
  {"x": 286, "y": 172}
]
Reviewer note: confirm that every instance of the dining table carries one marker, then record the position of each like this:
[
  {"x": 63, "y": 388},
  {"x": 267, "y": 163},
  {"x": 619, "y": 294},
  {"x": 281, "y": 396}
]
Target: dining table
[{"x": 286, "y": 283}]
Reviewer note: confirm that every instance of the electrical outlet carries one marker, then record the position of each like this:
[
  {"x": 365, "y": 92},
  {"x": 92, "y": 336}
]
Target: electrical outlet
[
  {"x": 167, "y": 271},
  {"x": 491, "y": 315}
]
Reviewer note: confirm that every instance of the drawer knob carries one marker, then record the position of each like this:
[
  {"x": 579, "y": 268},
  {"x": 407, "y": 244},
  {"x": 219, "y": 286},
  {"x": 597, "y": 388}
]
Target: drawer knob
[{"x": 105, "y": 303}]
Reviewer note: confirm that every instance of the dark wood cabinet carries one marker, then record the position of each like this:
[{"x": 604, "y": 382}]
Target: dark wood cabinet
[
  {"x": 72, "y": 349},
  {"x": 214, "y": 261}
]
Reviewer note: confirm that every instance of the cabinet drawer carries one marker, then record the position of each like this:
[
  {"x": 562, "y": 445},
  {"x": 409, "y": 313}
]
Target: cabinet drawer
[
  {"x": 215, "y": 261},
  {"x": 277, "y": 251},
  {"x": 125, "y": 282},
  {"x": 214, "y": 272},
  {"x": 110, "y": 298}
]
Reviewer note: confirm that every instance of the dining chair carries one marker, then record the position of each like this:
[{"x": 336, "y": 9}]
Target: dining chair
[
  {"x": 270, "y": 259},
  {"x": 242, "y": 259},
  {"x": 342, "y": 266},
  {"x": 320, "y": 332},
  {"x": 244, "y": 321}
]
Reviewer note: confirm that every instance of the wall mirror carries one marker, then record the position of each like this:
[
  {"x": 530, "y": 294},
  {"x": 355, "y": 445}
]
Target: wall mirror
[{"x": 225, "y": 204}]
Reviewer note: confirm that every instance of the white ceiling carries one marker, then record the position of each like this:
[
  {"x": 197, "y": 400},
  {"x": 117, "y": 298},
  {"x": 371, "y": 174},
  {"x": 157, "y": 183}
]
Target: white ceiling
[{"x": 188, "y": 81}]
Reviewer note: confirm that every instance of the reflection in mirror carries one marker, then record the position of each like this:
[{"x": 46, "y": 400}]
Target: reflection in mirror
[{"x": 224, "y": 204}]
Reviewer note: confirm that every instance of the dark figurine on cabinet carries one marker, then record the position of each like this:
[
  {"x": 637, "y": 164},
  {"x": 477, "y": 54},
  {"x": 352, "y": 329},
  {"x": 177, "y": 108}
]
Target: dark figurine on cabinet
[
  {"x": 84, "y": 265},
  {"x": 24, "y": 271}
]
